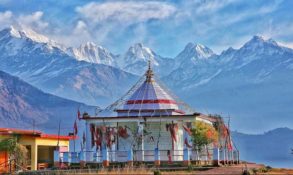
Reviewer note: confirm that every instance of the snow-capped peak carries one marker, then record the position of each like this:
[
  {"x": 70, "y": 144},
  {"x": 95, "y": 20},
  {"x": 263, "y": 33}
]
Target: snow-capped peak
[
  {"x": 25, "y": 33},
  {"x": 259, "y": 41},
  {"x": 20, "y": 37},
  {"x": 195, "y": 51},
  {"x": 138, "y": 53},
  {"x": 93, "y": 53}
]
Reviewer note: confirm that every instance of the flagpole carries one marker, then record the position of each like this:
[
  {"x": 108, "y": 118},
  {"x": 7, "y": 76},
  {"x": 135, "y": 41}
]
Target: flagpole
[
  {"x": 74, "y": 134},
  {"x": 59, "y": 133}
]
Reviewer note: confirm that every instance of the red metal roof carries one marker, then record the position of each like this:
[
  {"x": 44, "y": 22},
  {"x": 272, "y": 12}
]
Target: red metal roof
[
  {"x": 54, "y": 136},
  {"x": 19, "y": 131},
  {"x": 36, "y": 133}
]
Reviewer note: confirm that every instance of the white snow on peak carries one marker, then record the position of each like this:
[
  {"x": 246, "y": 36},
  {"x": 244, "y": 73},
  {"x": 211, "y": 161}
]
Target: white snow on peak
[
  {"x": 20, "y": 37},
  {"x": 194, "y": 50},
  {"x": 26, "y": 33},
  {"x": 90, "y": 52},
  {"x": 140, "y": 51},
  {"x": 259, "y": 41},
  {"x": 137, "y": 53},
  {"x": 13, "y": 32}
]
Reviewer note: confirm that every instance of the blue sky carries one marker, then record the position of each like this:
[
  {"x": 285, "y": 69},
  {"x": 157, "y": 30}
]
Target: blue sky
[{"x": 166, "y": 26}]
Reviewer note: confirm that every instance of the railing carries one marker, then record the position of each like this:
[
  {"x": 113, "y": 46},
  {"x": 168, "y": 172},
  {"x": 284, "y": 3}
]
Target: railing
[{"x": 206, "y": 155}]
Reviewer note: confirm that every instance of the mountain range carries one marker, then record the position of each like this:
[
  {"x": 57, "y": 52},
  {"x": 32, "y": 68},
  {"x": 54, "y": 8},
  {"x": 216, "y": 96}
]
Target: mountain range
[
  {"x": 271, "y": 148},
  {"x": 24, "y": 106},
  {"x": 47, "y": 66},
  {"x": 250, "y": 83}
]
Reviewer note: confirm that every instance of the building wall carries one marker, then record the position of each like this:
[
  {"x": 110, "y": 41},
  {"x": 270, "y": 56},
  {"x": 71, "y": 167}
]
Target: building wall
[{"x": 33, "y": 142}]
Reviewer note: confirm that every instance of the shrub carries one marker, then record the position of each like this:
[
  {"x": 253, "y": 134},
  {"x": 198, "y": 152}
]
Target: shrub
[
  {"x": 157, "y": 172},
  {"x": 245, "y": 172}
]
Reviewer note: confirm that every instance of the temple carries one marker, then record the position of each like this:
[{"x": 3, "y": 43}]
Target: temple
[{"x": 148, "y": 124}]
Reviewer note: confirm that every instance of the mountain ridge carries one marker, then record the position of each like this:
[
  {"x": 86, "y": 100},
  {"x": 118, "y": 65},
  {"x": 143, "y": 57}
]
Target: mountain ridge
[
  {"x": 277, "y": 143},
  {"x": 23, "y": 105}
]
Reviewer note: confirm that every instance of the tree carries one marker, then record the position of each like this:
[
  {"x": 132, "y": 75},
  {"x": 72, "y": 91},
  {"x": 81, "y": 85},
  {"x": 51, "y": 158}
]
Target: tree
[
  {"x": 16, "y": 151},
  {"x": 203, "y": 134}
]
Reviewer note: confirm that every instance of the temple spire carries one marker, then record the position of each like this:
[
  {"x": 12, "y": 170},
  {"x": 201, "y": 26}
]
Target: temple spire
[{"x": 149, "y": 73}]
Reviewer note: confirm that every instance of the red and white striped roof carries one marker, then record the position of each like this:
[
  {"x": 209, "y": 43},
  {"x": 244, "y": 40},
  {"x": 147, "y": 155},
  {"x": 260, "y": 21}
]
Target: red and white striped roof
[{"x": 150, "y": 99}]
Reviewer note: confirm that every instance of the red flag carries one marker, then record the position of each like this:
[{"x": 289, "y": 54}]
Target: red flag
[
  {"x": 78, "y": 114},
  {"x": 75, "y": 128},
  {"x": 230, "y": 146}
]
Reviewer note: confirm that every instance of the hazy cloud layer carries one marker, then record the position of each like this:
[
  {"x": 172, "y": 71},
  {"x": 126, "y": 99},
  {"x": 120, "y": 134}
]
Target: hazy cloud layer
[
  {"x": 166, "y": 25},
  {"x": 126, "y": 12}
]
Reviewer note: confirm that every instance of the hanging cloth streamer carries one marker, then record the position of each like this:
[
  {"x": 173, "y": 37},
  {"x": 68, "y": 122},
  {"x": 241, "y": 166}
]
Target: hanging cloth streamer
[
  {"x": 186, "y": 143},
  {"x": 92, "y": 129},
  {"x": 187, "y": 130},
  {"x": 99, "y": 137}
]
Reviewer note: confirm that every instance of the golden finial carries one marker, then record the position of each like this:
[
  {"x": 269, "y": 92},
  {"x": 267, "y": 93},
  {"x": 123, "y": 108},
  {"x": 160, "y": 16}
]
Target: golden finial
[{"x": 149, "y": 73}]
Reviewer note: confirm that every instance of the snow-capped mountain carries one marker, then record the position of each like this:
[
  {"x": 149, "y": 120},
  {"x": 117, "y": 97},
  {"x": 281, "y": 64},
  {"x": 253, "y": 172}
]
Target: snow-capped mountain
[
  {"x": 194, "y": 60},
  {"x": 51, "y": 69},
  {"x": 133, "y": 61},
  {"x": 192, "y": 53},
  {"x": 92, "y": 53},
  {"x": 21, "y": 105},
  {"x": 136, "y": 59},
  {"x": 253, "y": 81},
  {"x": 21, "y": 39}
]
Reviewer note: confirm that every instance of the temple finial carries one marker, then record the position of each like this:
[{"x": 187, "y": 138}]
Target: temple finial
[{"x": 149, "y": 73}]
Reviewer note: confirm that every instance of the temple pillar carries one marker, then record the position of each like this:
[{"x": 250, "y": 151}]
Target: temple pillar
[
  {"x": 216, "y": 156},
  {"x": 186, "y": 155},
  {"x": 130, "y": 157},
  {"x": 140, "y": 151},
  {"x": 88, "y": 147},
  {"x": 105, "y": 156},
  {"x": 157, "y": 157},
  {"x": 82, "y": 159}
]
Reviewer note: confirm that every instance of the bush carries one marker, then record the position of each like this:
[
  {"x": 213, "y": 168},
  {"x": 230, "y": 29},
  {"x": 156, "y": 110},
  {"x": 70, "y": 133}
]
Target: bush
[
  {"x": 190, "y": 168},
  {"x": 157, "y": 172},
  {"x": 268, "y": 168},
  {"x": 263, "y": 170},
  {"x": 203, "y": 134},
  {"x": 245, "y": 172}
]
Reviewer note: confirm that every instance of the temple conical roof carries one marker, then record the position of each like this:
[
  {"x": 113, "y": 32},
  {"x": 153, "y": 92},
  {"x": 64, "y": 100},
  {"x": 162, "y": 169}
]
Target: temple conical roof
[{"x": 149, "y": 99}]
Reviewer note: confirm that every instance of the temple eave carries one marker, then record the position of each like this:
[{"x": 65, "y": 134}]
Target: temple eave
[{"x": 180, "y": 117}]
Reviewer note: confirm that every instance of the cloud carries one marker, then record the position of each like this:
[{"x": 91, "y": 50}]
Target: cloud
[
  {"x": 6, "y": 18},
  {"x": 203, "y": 6},
  {"x": 33, "y": 21},
  {"x": 127, "y": 12}
]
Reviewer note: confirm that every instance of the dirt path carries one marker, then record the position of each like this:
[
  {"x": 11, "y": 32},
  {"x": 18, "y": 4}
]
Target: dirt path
[{"x": 229, "y": 170}]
